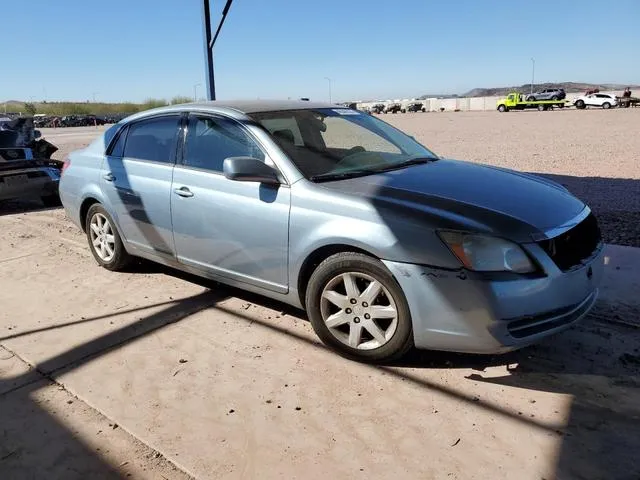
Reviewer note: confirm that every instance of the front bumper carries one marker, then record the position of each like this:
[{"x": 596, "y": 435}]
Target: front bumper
[{"x": 465, "y": 312}]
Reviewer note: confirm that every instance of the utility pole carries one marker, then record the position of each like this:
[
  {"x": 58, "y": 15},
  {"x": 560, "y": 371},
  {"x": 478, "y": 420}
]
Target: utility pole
[
  {"x": 209, "y": 42},
  {"x": 533, "y": 73},
  {"x": 329, "y": 80},
  {"x": 195, "y": 92}
]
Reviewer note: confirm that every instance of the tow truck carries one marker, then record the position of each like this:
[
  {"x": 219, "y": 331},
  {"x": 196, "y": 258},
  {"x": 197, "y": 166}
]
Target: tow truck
[{"x": 516, "y": 101}]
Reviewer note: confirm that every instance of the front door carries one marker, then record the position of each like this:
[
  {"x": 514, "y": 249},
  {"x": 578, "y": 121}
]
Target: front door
[
  {"x": 136, "y": 179},
  {"x": 237, "y": 230}
]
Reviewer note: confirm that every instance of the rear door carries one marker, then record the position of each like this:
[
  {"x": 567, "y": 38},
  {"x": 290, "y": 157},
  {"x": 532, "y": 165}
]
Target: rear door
[
  {"x": 136, "y": 179},
  {"x": 237, "y": 230}
]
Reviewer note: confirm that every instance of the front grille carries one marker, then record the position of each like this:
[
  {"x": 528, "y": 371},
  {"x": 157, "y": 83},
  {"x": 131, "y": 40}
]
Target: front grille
[
  {"x": 575, "y": 245},
  {"x": 528, "y": 326}
]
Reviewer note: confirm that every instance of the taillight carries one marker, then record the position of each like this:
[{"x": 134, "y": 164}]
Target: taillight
[{"x": 65, "y": 165}]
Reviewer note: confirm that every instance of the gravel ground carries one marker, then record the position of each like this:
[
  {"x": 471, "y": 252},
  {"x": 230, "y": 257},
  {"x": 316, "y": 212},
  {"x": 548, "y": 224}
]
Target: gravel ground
[{"x": 594, "y": 153}]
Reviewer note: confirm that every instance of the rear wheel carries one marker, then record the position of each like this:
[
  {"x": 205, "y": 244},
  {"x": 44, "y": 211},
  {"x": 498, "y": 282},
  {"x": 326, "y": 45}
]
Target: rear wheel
[
  {"x": 104, "y": 241},
  {"x": 606, "y": 105},
  {"x": 555, "y": 97},
  {"x": 580, "y": 104},
  {"x": 357, "y": 308},
  {"x": 531, "y": 98},
  {"x": 542, "y": 108}
]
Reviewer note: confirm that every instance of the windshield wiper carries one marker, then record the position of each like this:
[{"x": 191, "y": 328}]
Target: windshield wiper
[
  {"x": 406, "y": 163},
  {"x": 370, "y": 171},
  {"x": 326, "y": 177}
]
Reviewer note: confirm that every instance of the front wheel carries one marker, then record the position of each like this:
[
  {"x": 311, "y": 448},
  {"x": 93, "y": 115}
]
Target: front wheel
[
  {"x": 104, "y": 241},
  {"x": 502, "y": 108},
  {"x": 357, "y": 308},
  {"x": 606, "y": 105}
]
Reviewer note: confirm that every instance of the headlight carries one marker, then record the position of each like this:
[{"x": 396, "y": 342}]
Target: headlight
[{"x": 487, "y": 254}]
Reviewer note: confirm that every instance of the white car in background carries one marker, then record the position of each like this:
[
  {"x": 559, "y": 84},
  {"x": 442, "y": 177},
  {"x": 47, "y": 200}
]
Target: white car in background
[{"x": 603, "y": 100}]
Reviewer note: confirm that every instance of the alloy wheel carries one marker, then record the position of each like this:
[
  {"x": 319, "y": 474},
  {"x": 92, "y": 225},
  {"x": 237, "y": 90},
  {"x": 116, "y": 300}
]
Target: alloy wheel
[
  {"x": 102, "y": 238},
  {"x": 359, "y": 310}
]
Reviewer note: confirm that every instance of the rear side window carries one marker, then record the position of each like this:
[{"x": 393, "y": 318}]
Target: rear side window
[
  {"x": 117, "y": 149},
  {"x": 153, "y": 139},
  {"x": 211, "y": 140}
]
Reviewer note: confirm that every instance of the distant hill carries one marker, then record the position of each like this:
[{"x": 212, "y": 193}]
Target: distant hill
[{"x": 569, "y": 87}]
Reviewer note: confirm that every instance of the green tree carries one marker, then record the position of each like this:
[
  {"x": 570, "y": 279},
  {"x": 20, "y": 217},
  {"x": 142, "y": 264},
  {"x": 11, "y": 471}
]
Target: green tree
[
  {"x": 30, "y": 108},
  {"x": 180, "y": 99}
]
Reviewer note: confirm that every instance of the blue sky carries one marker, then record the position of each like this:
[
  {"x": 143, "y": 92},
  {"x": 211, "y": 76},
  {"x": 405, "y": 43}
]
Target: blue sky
[{"x": 135, "y": 49}]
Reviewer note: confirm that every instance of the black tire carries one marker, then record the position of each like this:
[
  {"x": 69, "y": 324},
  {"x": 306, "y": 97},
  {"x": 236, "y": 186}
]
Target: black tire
[
  {"x": 52, "y": 200},
  {"x": 531, "y": 99},
  {"x": 542, "y": 108},
  {"x": 555, "y": 97},
  {"x": 606, "y": 105},
  {"x": 121, "y": 257},
  {"x": 401, "y": 340},
  {"x": 580, "y": 104},
  {"x": 502, "y": 108}
]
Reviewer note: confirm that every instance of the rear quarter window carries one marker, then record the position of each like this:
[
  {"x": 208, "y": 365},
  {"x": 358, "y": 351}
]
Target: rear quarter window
[{"x": 117, "y": 148}]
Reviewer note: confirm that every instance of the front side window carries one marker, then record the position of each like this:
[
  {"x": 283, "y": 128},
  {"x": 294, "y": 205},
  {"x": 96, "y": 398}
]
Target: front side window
[
  {"x": 153, "y": 139},
  {"x": 210, "y": 140},
  {"x": 337, "y": 142}
]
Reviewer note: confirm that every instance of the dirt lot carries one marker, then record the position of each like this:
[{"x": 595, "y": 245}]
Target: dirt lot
[{"x": 155, "y": 374}]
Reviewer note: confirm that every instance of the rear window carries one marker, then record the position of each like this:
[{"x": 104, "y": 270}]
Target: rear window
[{"x": 152, "y": 139}]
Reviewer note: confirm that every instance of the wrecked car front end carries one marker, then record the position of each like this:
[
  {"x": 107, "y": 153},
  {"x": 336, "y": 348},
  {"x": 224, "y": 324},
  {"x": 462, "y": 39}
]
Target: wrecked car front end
[{"x": 26, "y": 167}]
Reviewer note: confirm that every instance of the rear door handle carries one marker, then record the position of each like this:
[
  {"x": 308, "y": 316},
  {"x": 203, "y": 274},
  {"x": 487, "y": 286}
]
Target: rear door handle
[
  {"x": 183, "y": 192},
  {"x": 109, "y": 177}
]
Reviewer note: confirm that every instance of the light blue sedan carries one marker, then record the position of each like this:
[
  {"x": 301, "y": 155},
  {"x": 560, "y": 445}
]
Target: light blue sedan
[{"x": 382, "y": 242}]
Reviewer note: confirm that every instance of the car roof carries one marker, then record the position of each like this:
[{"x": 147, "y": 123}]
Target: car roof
[
  {"x": 255, "y": 106},
  {"x": 234, "y": 107}
]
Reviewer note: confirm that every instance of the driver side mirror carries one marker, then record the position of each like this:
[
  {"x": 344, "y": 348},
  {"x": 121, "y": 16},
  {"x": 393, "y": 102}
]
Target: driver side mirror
[{"x": 249, "y": 169}]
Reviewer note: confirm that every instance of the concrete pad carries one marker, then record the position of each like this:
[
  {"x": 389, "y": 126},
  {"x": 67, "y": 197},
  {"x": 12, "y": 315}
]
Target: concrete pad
[
  {"x": 247, "y": 393},
  {"x": 45, "y": 432},
  {"x": 200, "y": 379},
  {"x": 14, "y": 373}
]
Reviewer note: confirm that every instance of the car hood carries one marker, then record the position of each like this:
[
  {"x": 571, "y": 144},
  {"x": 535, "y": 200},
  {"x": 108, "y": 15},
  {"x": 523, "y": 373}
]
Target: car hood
[{"x": 468, "y": 196}]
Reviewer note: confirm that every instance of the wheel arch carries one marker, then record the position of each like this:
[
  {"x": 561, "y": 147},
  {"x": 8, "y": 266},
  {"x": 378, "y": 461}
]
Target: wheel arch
[
  {"x": 84, "y": 210},
  {"x": 316, "y": 257}
]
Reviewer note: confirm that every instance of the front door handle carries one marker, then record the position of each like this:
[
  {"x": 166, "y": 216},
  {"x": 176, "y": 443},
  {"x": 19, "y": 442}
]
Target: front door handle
[
  {"x": 183, "y": 192},
  {"x": 109, "y": 177}
]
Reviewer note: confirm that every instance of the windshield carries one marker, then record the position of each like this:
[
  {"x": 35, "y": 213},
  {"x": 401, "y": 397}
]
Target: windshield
[{"x": 330, "y": 143}]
